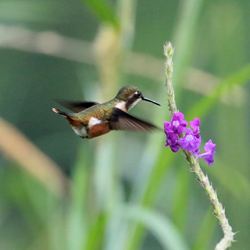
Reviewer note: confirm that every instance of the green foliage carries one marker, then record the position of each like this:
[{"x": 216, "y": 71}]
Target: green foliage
[
  {"x": 224, "y": 87},
  {"x": 104, "y": 10}
]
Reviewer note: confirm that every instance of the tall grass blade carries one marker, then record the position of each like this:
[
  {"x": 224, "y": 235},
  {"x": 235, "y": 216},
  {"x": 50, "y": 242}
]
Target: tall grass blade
[
  {"x": 162, "y": 228},
  {"x": 237, "y": 79},
  {"x": 104, "y": 11}
]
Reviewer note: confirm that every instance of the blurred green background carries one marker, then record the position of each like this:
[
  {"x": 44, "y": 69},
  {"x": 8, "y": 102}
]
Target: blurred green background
[{"x": 122, "y": 190}]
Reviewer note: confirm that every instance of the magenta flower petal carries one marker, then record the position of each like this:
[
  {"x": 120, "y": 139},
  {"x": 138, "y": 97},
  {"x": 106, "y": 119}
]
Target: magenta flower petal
[
  {"x": 174, "y": 148},
  {"x": 210, "y": 147},
  {"x": 192, "y": 139},
  {"x": 172, "y": 141},
  {"x": 178, "y": 123},
  {"x": 209, "y": 152},
  {"x": 167, "y": 127},
  {"x": 190, "y": 142},
  {"x": 195, "y": 124}
]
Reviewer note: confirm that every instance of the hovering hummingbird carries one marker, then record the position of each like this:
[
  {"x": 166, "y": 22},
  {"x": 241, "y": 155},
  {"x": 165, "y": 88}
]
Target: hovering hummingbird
[{"x": 92, "y": 119}]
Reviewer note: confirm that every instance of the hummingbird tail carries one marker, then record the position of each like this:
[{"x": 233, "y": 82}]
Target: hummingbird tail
[
  {"x": 73, "y": 122},
  {"x": 61, "y": 113}
]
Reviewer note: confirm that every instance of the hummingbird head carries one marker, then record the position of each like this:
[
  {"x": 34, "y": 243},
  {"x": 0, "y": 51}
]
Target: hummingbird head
[{"x": 131, "y": 96}]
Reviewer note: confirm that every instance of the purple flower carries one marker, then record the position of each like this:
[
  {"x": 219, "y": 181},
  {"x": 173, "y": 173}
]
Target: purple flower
[
  {"x": 195, "y": 124},
  {"x": 167, "y": 127},
  {"x": 178, "y": 123},
  {"x": 172, "y": 141},
  {"x": 192, "y": 139},
  {"x": 209, "y": 152},
  {"x": 172, "y": 138},
  {"x": 190, "y": 142}
]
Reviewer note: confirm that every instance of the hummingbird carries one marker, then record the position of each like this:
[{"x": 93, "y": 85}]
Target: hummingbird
[{"x": 92, "y": 119}]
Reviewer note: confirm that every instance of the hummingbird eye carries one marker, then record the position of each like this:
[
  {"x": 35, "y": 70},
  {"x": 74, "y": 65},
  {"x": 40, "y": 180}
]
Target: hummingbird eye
[{"x": 138, "y": 94}]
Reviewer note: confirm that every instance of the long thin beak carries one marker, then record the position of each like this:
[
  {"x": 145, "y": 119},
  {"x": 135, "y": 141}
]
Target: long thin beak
[{"x": 149, "y": 100}]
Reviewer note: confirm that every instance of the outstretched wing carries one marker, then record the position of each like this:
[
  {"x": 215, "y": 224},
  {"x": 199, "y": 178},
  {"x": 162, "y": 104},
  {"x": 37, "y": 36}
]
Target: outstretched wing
[
  {"x": 76, "y": 106},
  {"x": 121, "y": 120}
]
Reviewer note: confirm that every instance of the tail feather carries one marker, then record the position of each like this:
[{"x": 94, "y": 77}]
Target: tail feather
[
  {"x": 61, "y": 113},
  {"x": 72, "y": 120}
]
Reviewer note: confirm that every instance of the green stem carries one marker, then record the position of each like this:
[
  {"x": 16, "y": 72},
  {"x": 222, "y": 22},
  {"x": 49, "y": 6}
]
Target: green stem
[
  {"x": 219, "y": 211},
  {"x": 169, "y": 52}
]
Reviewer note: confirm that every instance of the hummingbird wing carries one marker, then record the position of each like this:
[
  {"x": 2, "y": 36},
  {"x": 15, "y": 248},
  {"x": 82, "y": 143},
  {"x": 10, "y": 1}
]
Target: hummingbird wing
[
  {"x": 121, "y": 120},
  {"x": 76, "y": 106}
]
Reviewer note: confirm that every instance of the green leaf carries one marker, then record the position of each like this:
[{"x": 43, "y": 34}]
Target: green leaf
[
  {"x": 96, "y": 233},
  {"x": 104, "y": 11},
  {"x": 162, "y": 228},
  {"x": 77, "y": 226},
  {"x": 206, "y": 230},
  {"x": 149, "y": 191},
  {"x": 181, "y": 197},
  {"x": 239, "y": 78}
]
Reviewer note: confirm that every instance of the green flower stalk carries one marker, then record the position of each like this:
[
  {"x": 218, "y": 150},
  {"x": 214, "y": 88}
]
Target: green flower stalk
[
  {"x": 169, "y": 52},
  {"x": 190, "y": 143}
]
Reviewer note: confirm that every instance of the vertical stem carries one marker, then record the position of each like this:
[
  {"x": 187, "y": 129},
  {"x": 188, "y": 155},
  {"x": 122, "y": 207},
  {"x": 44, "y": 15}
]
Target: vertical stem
[
  {"x": 219, "y": 211},
  {"x": 169, "y": 52}
]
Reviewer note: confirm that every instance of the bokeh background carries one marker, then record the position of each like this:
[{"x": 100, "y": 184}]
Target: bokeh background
[{"x": 123, "y": 190}]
